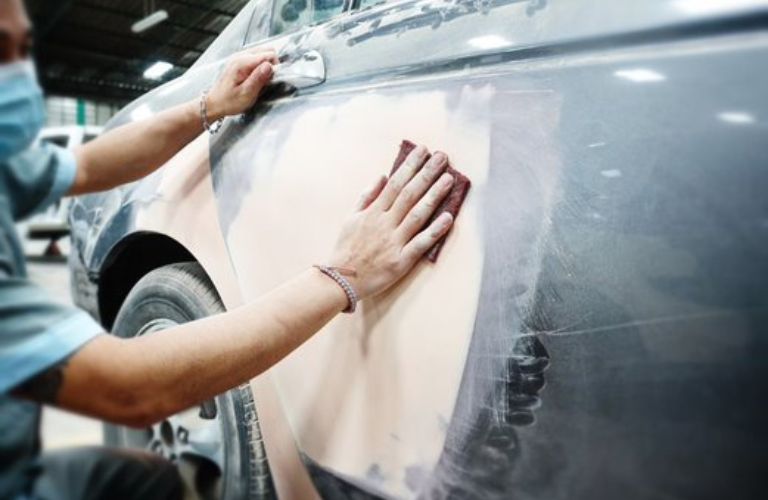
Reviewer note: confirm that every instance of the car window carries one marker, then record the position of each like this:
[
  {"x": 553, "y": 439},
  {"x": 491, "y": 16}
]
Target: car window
[
  {"x": 370, "y": 3},
  {"x": 58, "y": 140},
  {"x": 290, "y": 15}
]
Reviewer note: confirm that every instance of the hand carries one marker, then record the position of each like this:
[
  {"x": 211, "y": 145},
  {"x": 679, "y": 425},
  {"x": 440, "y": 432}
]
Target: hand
[
  {"x": 383, "y": 240},
  {"x": 244, "y": 77}
]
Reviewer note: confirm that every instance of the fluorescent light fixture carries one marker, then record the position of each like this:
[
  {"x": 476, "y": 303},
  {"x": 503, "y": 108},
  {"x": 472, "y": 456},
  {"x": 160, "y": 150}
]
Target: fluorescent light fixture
[
  {"x": 488, "y": 42},
  {"x": 640, "y": 75},
  {"x": 157, "y": 70},
  {"x": 736, "y": 117},
  {"x": 150, "y": 21}
]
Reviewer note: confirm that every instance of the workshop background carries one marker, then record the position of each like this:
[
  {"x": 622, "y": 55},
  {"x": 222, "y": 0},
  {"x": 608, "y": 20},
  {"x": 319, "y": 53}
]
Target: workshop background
[{"x": 94, "y": 57}]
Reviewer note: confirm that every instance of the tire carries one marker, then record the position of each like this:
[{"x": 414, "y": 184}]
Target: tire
[{"x": 233, "y": 463}]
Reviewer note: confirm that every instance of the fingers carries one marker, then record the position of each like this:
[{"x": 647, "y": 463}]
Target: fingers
[
  {"x": 418, "y": 185},
  {"x": 245, "y": 63},
  {"x": 418, "y": 216},
  {"x": 399, "y": 179},
  {"x": 258, "y": 79},
  {"x": 426, "y": 239},
  {"x": 370, "y": 196}
]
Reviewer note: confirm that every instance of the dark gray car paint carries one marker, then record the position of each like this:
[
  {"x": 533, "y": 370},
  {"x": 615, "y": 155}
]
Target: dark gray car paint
[{"x": 619, "y": 348}]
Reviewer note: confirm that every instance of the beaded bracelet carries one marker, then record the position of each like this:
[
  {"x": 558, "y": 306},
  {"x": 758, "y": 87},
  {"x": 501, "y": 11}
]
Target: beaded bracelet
[
  {"x": 335, "y": 275},
  {"x": 211, "y": 128}
]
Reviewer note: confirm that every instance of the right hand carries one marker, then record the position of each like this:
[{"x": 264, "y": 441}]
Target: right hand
[
  {"x": 239, "y": 86},
  {"x": 383, "y": 239}
]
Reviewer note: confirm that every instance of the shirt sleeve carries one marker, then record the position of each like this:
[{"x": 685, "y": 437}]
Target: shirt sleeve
[
  {"x": 37, "y": 178},
  {"x": 35, "y": 332}
]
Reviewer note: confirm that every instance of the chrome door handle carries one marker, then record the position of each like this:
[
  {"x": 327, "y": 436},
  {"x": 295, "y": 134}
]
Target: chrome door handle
[{"x": 306, "y": 70}]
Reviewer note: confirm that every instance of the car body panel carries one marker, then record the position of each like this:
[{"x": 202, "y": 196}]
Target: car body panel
[
  {"x": 603, "y": 294},
  {"x": 369, "y": 391}
]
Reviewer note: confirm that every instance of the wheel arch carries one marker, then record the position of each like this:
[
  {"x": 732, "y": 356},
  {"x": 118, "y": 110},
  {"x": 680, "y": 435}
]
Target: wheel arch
[{"x": 128, "y": 261}]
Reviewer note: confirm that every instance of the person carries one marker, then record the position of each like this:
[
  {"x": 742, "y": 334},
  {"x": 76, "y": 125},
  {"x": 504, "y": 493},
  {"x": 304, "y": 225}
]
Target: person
[{"x": 51, "y": 354}]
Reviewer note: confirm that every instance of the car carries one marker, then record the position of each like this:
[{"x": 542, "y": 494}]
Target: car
[
  {"x": 595, "y": 325},
  {"x": 52, "y": 225}
]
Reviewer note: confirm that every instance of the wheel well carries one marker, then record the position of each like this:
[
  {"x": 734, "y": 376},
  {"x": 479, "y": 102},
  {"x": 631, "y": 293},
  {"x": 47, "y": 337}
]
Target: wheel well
[{"x": 128, "y": 262}]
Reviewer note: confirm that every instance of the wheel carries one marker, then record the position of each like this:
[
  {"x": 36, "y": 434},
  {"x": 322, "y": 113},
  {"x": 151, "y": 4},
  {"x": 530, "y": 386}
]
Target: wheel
[{"x": 217, "y": 446}]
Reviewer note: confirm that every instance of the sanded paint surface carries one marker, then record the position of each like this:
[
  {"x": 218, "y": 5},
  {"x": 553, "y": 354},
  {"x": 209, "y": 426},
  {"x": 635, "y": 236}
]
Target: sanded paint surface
[{"x": 376, "y": 388}]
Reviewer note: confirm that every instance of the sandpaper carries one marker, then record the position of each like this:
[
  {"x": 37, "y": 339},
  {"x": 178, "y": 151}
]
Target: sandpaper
[{"x": 451, "y": 203}]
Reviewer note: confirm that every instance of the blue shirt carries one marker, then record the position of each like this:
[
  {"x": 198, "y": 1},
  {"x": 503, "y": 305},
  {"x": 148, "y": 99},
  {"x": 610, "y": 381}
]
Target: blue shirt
[{"x": 35, "y": 332}]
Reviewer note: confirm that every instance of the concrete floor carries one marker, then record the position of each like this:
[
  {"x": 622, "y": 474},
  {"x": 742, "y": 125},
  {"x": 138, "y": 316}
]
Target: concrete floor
[{"x": 61, "y": 429}]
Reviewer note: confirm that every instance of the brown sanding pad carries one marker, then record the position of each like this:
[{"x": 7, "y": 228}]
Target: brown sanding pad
[{"x": 451, "y": 203}]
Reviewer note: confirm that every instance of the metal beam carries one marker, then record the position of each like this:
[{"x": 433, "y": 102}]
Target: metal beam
[
  {"x": 52, "y": 18},
  {"x": 130, "y": 38},
  {"x": 132, "y": 16},
  {"x": 193, "y": 5},
  {"x": 96, "y": 90},
  {"x": 80, "y": 57}
]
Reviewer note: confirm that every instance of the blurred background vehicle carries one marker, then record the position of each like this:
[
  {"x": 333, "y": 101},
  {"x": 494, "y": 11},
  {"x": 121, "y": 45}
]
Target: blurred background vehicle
[{"x": 43, "y": 233}]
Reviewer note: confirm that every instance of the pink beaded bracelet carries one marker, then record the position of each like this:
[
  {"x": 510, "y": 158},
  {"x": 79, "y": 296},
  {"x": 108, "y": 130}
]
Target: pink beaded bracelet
[{"x": 335, "y": 275}]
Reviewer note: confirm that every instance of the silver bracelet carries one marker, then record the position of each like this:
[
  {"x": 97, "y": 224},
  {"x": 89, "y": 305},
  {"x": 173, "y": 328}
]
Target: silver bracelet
[
  {"x": 211, "y": 128},
  {"x": 335, "y": 275}
]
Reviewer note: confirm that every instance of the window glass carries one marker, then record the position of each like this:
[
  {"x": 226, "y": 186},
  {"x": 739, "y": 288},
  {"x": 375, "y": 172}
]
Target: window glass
[
  {"x": 290, "y": 15},
  {"x": 326, "y": 9},
  {"x": 370, "y": 3},
  {"x": 58, "y": 140}
]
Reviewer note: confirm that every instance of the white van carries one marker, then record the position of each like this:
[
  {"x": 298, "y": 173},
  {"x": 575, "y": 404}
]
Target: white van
[{"x": 52, "y": 225}]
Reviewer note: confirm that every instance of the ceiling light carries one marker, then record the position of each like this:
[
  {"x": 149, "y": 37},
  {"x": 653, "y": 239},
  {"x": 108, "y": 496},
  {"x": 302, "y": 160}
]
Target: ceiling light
[
  {"x": 157, "y": 70},
  {"x": 150, "y": 21}
]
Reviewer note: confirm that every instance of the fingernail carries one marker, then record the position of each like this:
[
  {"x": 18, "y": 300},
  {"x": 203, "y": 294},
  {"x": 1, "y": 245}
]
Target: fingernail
[
  {"x": 446, "y": 218},
  {"x": 446, "y": 179},
  {"x": 420, "y": 151},
  {"x": 438, "y": 160}
]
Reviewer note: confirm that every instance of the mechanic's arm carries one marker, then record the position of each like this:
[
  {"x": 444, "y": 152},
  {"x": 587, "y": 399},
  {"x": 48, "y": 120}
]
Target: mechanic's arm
[
  {"x": 130, "y": 152},
  {"x": 141, "y": 380}
]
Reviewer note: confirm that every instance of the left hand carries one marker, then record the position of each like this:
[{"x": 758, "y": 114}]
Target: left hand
[
  {"x": 385, "y": 238},
  {"x": 238, "y": 88}
]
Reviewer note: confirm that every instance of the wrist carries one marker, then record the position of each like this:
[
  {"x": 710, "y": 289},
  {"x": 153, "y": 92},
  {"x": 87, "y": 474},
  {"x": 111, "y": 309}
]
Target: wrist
[
  {"x": 345, "y": 296},
  {"x": 213, "y": 109}
]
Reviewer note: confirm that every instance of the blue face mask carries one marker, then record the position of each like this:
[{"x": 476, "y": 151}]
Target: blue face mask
[{"x": 22, "y": 110}]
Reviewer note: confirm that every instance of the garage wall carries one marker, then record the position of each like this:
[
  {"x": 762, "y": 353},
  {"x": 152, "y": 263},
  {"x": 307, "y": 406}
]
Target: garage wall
[{"x": 71, "y": 111}]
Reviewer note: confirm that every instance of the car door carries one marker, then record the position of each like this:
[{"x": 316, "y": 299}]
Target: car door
[
  {"x": 566, "y": 269},
  {"x": 370, "y": 397}
]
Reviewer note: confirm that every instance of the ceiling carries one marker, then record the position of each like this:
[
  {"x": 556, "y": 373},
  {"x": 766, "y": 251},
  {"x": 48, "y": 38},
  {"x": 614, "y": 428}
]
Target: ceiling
[{"x": 85, "y": 48}]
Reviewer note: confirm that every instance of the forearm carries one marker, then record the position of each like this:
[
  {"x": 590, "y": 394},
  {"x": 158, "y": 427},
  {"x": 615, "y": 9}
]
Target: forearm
[
  {"x": 144, "y": 379},
  {"x": 134, "y": 150}
]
